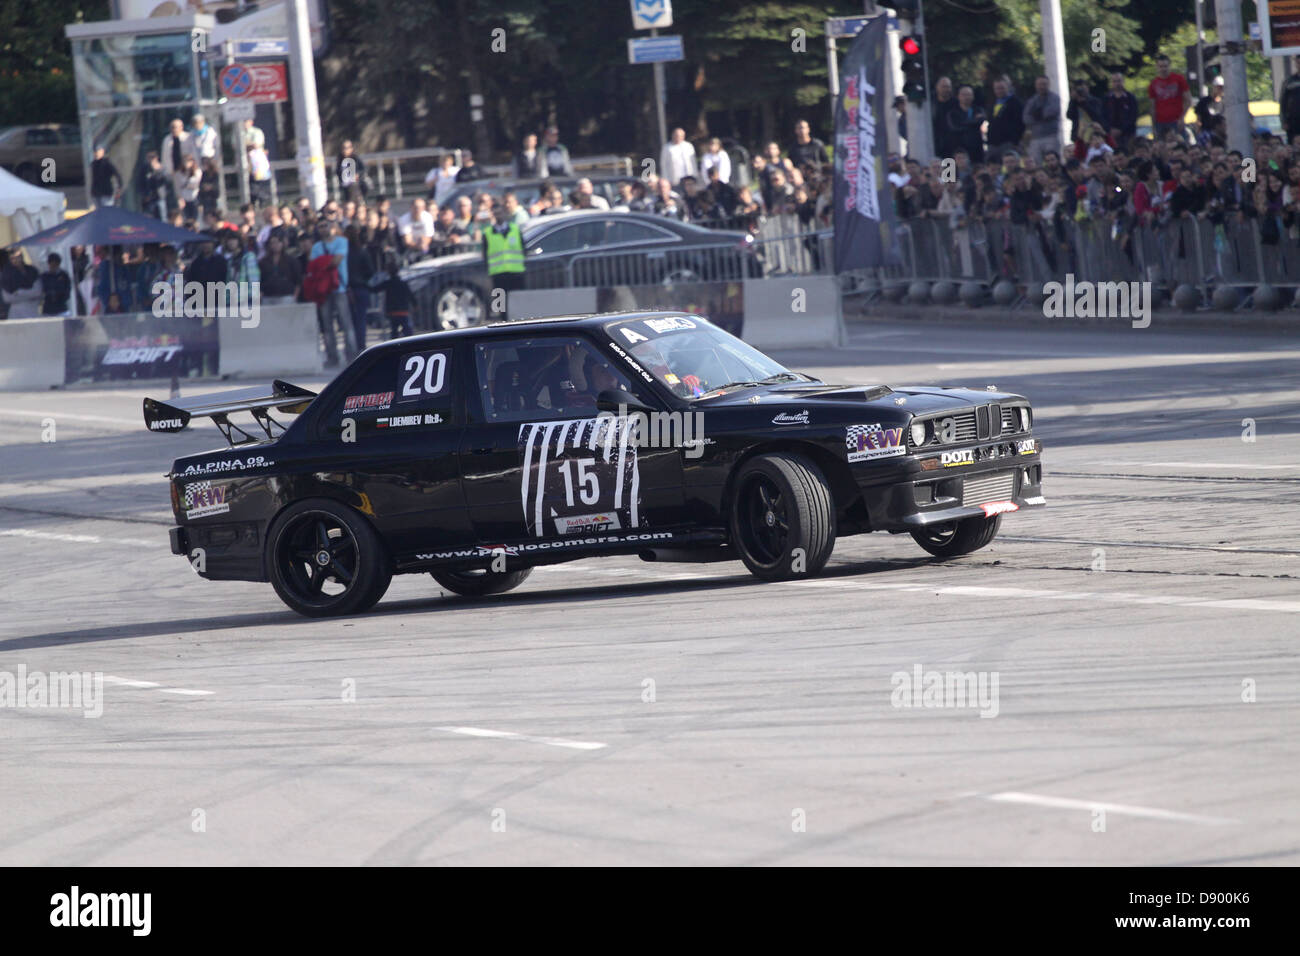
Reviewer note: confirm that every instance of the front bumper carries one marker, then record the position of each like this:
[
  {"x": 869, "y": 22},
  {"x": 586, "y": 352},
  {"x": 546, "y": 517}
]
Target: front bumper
[
  {"x": 180, "y": 541},
  {"x": 973, "y": 481}
]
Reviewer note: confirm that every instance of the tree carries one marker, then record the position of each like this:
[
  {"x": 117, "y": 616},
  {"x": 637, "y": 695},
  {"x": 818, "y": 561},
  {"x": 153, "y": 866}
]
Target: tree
[{"x": 36, "y": 80}]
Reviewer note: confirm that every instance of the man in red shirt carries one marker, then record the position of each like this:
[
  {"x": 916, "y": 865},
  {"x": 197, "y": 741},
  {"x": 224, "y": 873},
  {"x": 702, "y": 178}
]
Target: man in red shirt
[{"x": 1170, "y": 100}]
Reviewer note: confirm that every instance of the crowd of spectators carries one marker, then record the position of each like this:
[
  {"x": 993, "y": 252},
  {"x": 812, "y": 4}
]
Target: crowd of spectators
[{"x": 1006, "y": 162}]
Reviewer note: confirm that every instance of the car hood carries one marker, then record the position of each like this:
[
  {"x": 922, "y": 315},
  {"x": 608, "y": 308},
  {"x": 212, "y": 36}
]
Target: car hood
[
  {"x": 425, "y": 266},
  {"x": 913, "y": 400}
]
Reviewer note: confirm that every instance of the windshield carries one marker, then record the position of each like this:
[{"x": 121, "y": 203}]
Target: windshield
[{"x": 693, "y": 357}]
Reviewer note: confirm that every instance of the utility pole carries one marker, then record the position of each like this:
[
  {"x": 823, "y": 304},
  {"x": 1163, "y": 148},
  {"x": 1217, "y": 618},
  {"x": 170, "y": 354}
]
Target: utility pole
[
  {"x": 306, "y": 110},
  {"x": 1232, "y": 55},
  {"x": 474, "y": 81},
  {"x": 1202, "y": 86},
  {"x": 1054, "y": 54},
  {"x": 659, "y": 99}
]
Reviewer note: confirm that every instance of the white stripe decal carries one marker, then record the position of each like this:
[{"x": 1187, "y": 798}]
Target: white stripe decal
[{"x": 541, "y": 478}]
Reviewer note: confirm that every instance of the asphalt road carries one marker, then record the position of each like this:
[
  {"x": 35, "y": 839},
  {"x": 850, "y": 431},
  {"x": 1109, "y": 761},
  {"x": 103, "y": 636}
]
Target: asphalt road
[{"x": 1142, "y": 631}]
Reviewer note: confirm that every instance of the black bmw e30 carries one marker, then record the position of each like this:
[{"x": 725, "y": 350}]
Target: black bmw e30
[{"x": 478, "y": 454}]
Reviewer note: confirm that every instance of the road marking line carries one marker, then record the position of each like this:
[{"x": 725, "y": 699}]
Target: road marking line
[
  {"x": 528, "y": 738},
  {"x": 75, "y": 538},
  {"x": 124, "y": 682},
  {"x": 1105, "y": 597},
  {"x": 1063, "y": 803},
  {"x": 154, "y": 685},
  {"x": 1196, "y": 464}
]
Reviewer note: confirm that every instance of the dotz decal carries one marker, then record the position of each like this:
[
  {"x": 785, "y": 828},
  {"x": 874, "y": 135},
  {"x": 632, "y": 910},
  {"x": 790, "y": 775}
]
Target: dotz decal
[
  {"x": 1026, "y": 446},
  {"x": 868, "y": 442},
  {"x": 999, "y": 507},
  {"x": 791, "y": 418},
  {"x": 578, "y": 467},
  {"x": 954, "y": 459}
]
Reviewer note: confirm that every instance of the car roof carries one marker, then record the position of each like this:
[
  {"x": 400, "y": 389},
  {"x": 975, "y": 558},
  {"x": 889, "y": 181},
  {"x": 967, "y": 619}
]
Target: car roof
[{"x": 588, "y": 320}]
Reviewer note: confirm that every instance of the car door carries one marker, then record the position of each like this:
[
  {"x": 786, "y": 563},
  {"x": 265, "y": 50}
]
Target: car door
[
  {"x": 391, "y": 434},
  {"x": 541, "y": 466},
  {"x": 547, "y": 253}
]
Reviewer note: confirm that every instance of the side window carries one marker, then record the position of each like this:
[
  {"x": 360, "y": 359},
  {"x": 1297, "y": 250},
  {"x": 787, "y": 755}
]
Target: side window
[
  {"x": 543, "y": 378},
  {"x": 623, "y": 231},
  {"x": 400, "y": 392},
  {"x": 42, "y": 137},
  {"x": 575, "y": 238}
]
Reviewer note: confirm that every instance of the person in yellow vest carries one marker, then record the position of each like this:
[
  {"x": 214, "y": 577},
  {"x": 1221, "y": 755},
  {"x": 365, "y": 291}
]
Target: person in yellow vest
[{"x": 503, "y": 250}]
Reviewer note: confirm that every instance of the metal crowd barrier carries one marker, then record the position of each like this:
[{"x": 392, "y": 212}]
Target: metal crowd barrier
[{"x": 1198, "y": 252}]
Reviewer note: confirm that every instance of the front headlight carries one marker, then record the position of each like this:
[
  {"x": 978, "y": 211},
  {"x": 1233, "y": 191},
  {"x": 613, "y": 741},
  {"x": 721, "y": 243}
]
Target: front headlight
[
  {"x": 1024, "y": 418},
  {"x": 918, "y": 433}
]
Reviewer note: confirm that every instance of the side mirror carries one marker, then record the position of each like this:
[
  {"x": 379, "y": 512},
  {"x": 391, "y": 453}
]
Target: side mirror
[{"x": 614, "y": 399}]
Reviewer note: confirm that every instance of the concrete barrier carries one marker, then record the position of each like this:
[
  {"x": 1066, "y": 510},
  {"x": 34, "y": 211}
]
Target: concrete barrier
[
  {"x": 535, "y": 303},
  {"x": 31, "y": 353},
  {"x": 772, "y": 319},
  {"x": 286, "y": 341}
]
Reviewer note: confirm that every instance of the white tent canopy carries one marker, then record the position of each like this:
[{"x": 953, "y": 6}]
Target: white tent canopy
[{"x": 26, "y": 209}]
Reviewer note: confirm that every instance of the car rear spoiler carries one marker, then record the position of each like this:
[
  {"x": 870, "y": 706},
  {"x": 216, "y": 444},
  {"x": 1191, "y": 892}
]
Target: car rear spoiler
[{"x": 174, "y": 415}]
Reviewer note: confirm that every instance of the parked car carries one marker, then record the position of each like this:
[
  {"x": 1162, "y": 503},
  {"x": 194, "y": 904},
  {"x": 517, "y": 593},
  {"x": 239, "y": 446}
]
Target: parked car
[
  {"x": 478, "y": 454},
  {"x": 589, "y": 248},
  {"x": 24, "y": 150}
]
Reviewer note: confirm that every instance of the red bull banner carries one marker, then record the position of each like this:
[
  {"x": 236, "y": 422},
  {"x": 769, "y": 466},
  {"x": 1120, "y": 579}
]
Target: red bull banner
[{"x": 864, "y": 210}]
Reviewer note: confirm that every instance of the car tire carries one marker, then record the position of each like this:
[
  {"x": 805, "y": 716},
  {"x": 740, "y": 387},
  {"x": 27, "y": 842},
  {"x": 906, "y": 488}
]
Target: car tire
[
  {"x": 781, "y": 511},
  {"x": 480, "y": 582},
  {"x": 955, "y": 538},
  {"x": 317, "y": 544},
  {"x": 458, "y": 307}
]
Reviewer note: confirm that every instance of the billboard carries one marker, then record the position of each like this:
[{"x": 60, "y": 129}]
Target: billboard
[{"x": 1279, "y": 26}]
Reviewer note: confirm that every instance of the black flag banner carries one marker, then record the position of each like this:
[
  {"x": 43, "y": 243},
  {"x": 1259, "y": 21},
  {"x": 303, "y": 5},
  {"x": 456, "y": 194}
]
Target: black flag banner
[{"x": 864, "y": 211}]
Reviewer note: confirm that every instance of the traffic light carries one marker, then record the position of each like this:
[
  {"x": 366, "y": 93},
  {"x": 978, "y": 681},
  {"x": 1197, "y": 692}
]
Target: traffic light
[{"x": 913, "y": 49}]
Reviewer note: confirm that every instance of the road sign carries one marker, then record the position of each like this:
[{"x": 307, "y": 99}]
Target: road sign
[
  {"x": 256, "y": 82},
  {"x": 841, "y": 27},
  {"x": 235, "y": 81},
  {"x": 652, "y": 14},
  {"x": 269, "y": 46},
  {"x": 236, "y": 111},
  {"x": 655, "y": 49}
]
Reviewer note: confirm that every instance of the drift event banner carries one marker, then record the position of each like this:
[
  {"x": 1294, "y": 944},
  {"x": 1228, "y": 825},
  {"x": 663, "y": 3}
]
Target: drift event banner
[{"x": 864, "y": 210}]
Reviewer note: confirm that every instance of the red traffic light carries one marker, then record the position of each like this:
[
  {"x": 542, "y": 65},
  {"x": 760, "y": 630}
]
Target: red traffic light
[{"x": 910, "y": 46}]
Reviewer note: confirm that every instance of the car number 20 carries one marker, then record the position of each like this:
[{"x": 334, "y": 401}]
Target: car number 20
[{"x": 423, "y": 375}]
